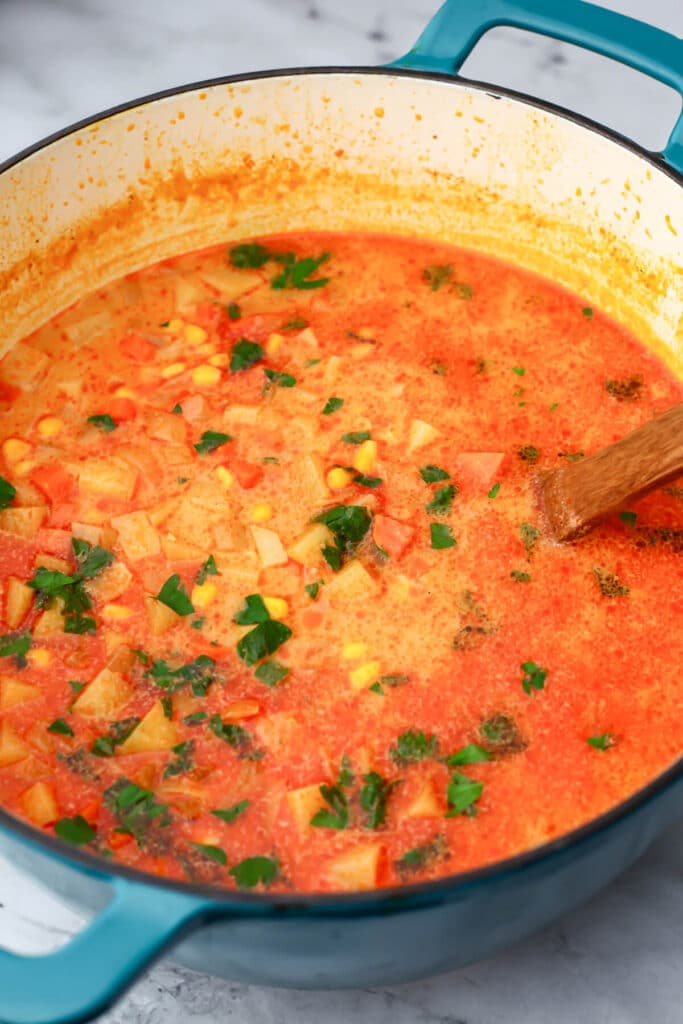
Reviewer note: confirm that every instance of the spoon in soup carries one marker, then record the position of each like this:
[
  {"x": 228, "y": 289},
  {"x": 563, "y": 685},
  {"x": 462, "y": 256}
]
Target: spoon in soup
[{"x": 580, "y": 494}]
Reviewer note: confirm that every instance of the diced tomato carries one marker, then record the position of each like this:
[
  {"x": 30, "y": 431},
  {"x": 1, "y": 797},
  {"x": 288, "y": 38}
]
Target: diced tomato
[
  {"x": 62, "y": 516},
  {"x": 118, "y": 839},
  {"x": 137, "y": 348},
  {"x": 121, "y": 408},
  {"x": 479, "y": 468},
  {"x": 391, "y": 535},
  {"x": 54, "y": 542},
  {"x": 314, "y": 615},
  {"x": 56, "y": 483},
  {"x": 209, "y": 315},
  {"x": 91, "y": 812},
  {"x": 7, "y": 393},
  {"x": 248, "y": 473}
]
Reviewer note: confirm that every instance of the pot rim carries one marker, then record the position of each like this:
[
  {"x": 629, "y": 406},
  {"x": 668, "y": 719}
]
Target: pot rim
[{"x": 411, "y": 895}]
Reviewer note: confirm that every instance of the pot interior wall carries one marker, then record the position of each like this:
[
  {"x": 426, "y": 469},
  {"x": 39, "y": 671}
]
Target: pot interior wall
[{"x": 343, "y": 150}]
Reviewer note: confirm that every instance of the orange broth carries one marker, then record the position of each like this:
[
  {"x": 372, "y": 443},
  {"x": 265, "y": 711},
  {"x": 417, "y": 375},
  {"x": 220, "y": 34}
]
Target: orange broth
[{"x": 341, "y": 454}]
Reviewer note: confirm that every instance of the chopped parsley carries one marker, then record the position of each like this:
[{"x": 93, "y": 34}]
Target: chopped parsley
[
  {"x": 571, "y": 456},
  {"x": 312, "y": 589},
  {"x": 75, "y": 830},
  {"x": 195, "y": 718},
  {"x": 519, "y": 370},
  {"x": 529, "y": 535},
  {"x": 442, "y": 500},
  {"x": 233, "y": 310},
  {"x": 254, "y": 871},
  {"x": 103, "y": 421},
  {"x": 230, "y": 814},
  {"x": 367, "y": 481},
  {"x": 105, "y": 746},
  {"x": 7, "y": 493},
  {"x": 338, "y": 814},
  {"x": 296, "y": 273},
  {"x": 177, "y": 409},
  {"x": 277, "y": 379},
  {"x": 471, "y": 754},
  {"x": 501, "y": 735},
  {"x": 245, "y": 354},
  {"x": 520, "y": 577},
  {"x": 50, "y": 584},
  {"x": 534, "y": 676},
  {"x": 332, "y": 405},
  {"x": 253, "y": 610},
  {"x": 198, "y": 674},
  {"x": 348, "y": 525},
  {"x": 76, "y": 686},
  {"x": 234, "y": 735},
  {"x": 210, "y": 441},
  {"x": 356, "y": 437},
  {"x": 16, "y": 645},
  {"x": 441, "y": 536},
  {"x": 214, "y": 853},
  {"x": 420, "y": 856},
  {"x": 137, "y": 812},
  {"x": 414, "y": 746},
  {"x": 587, "y": 312},
  {"x": 270, "y": 673},
  {"x": 183, "y": 760},
  {"x": 167, "y": 707},
  {"x": 609, "y": 583},
  {"x": 432, "y": 474},
  {"x": 61, "y": 727},
  {"x": 629, "y": 518},
  {"x": 207, "y": 568},
  {"x": 629, "y": 389},
  {"x": 174, "y": 595},
  {"x": 373, "y": 798},
  {"x": 262, "y": 640},
  {"x": 297, "y": 323},
  {"x": 528, "y": 453},
  {"x": 249, "y": 256},
  {"x": 494, "y": 491},
  {"x": 602, "y": 742},
  {"x": 462, "y": 794},
  {"x": 437, "y": 275}
]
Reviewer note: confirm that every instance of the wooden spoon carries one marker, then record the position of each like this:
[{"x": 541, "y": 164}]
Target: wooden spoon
[{"x": 579, "y": 494}]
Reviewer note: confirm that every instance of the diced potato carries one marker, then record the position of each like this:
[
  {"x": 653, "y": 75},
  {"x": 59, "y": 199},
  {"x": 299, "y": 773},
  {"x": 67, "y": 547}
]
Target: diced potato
[
  {"x": 364, "y": 675},
  {"x": 39, "y": 804},
  {"x": 155, "y": 732},
  {"x": 269, "y": 547},
  {"x": 40, "y": 739},
  {"x": 157, "y": 514},
  {"x": 230, "y": 534},
  {"x": 111, "y": 477},
  {"x": 102, "y": 535},
  {"x": 161, "y": 617},
  {"x": 53, "y": 563},
  {"x": 307, "y": 549},
  {"x": 303, "y": 803},
  {"x": 13, "y": 692},
  {"x": 18, "y": 599},
  {"x": 137, "y": 536},
  {"x": 427, "y": 803},
  {"x": 351, "y": 582},
  {"x": 308, "y": 476},
  {"x": 39, "y": 657},
  {"x": 355, "y": 869},
  {"x": 121, "y": 659},
  {"x": 108, "y": 692},
  {"x": 188, "y": 292},
  {"x": 241, "y": 414},
  {"x": 50, "y": 621},
  {"x": 22, "y": 522},
  {"x": 113, "y": 581},
  {"x": 241, "y": 570},
  {"x": 87, "y": 328},
  {"x": 12, "y": 748},
  {"x": 184, "y": 796},
  {"x": 178, "y": 551},
  {"x": 24, "y": 366},
  {"x": 229, "y": 282},
  {"x": 279, "y": 732},
  {"x": 166, "y": 426},
  {"x": 420, "y": 434}
]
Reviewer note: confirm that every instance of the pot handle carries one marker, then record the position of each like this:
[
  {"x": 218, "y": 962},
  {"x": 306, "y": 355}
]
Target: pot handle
[
  {"x": 85, "y": 976},
  {"x": 458, "y": 26}
]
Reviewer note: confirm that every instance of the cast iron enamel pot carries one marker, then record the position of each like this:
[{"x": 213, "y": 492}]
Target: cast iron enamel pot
[{"x": 410, "y": 149}]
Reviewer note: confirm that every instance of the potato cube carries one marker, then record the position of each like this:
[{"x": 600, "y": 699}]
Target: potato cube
[
  {"x": 161, "y": 617},
  {"x": 102, "y": 535},
  {"x": 18, "y": 599},
  {"x": 167, "y": 426},
  {"x": 420, "y": 434},
  {"x": 39, "y": 804},
  {"x": 308, "y": 477},
  {"x": 355, "y": 869},
  {"x": 49, "y": 622},
  {"x": 427, "y": 803},
  {"x": 111, "y": 477},
  {"x": 137, "y": 536},
  {"x": 111, "y": 582},
  {"x": 12, "y": 748},
  {"x": 269, "y": 547},
  {"x": 22, "y": 522},
  {"x": 303, "y": 804},
  {"x": 307, "y": 549},
  {"x": 51, "y": 562},
  {"x": 178, "y": 551},
  {"x": 108, "y": 692},
  {"x": 24, "y": 366},
  {"x": 350, "y": 583},
  {"x": 13, "y": 692},
  {"x": 154, "y": 732}
]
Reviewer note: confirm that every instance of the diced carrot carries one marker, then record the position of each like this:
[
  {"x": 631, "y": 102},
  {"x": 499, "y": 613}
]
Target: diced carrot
[
  {"x": 479, "y": 468},
  {"x": 137, "y": 348},
  {"x": 91, "y": 812},
  {"x": 391, "y": 535},
  {"x": 121, "y": 408},
  {"x": 118, "y": 839},
  {"x": 56, "y": 483},
  {"x": 314, "y": 615},
  {"x": 7, "y": 393},
  {"x": 248, "y": 473}
]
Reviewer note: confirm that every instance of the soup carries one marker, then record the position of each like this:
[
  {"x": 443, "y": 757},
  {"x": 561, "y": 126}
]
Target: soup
[{"x": 278, "y": 608}]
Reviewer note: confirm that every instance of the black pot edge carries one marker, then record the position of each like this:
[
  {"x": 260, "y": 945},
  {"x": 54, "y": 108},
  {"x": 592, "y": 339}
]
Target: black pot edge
[{"x": 399, "y": 897}]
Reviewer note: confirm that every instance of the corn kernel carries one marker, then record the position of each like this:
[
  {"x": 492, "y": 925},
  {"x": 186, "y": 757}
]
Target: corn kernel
[
  {"x": 225, "y": 476},
  {"x": 203, "y": 594},
  {"x": 175, "y": 326},
  {"x": 49, "y": 426},
  {"x": 39, "y": 657},
  {"x": 206, "y": 374},
  {"x": 364, "y": 675},
  {"x": 116, "y": 612},
  {"x": 354, "y": 649},
  {"x": 124, "y": 392},
  {"x": 338, "y": 478},
  {"x": 207, "y": 349},
  {"x": 362, "y": 351},
  {"x": 366, "y": 333},
  {"x": 273, "y": 343},
  {"x": 277, "y": 607},
  {"x": 261, "y": 513},
  {"x": 172, "y": 370},
  {"x": 365, "y": 457},
  {"x": 220, "y": 359},
  {"x": 24, "y": 467},
  {"x": 195, "y": 334},
  {"x": 14, "y": 450}
]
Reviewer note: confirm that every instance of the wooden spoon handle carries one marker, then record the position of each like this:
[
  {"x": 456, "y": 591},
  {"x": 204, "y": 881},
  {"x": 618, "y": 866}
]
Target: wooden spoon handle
[{"x": 577, "y": 495}]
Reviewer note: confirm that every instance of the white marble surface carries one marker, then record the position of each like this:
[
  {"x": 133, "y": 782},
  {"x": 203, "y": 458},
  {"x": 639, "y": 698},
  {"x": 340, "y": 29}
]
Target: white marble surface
[{"x": 616, "y": 961}]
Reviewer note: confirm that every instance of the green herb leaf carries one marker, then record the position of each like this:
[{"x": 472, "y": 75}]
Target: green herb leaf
[
  {"x": 249, "y": 255},
  {"x": 553, "y": 407},
  {"x": 609, "y": 583},
  {"x": 233, "y": 310},
  {"x": 348, "y": 524},
  {"x": 183, "y": 760},
  {"x": 167, "y": 707},
  {"x": 195, "y": 718},
  {"x": 337, "y": 816},
  {"x": 271, "y": 672},
  {"x": 61, "y": 727},
  {"x": 629, "y": 518},
  {"x": 432, "y": 474},
  {"x": 262, "y": 640},
  {"x": 436, "y": 276},
  {"x": 253, "y": 610},
  {"x": 373, "y": 798},
  {"x": 297, "y": 323},
  {"x": 312, "y": 589},
  {"x": 208, "y": 568},
  {"x": 103, "y": 421},
  {"x": 280, "y": 380},
  {"x": 234, "y": 735},
  {"x": 529, "y": 535},
  {"x": 442, "y": 500},
  {"x": 214, "y": 853},
  {"x": 376, "y": 688},
  {"x": 105, "y": 746},
  {"x": 76, "y": 686},
  {"x": 296, "y": 273},
  {"x": 271, "y": 460},
  {"x": 254, "y": 871},
  {"x": 245, "y": 354},
  {"x": 75, "y": 830},
  {"x": 629, "y": 389},
  {"x": 367, "y": 481},
  {"x": 420, "y": 856},
  {"x": 198, "y": 674},
  {"x": 528, "y": 453},
  {"x": 520, "y": 577},
  {"x": 462, "y": 793},
  {"x": 502, "y": 735},
  {"x": 441, "y": 536},
  {"x": 602, "y": 742},
  {"x": 394, "y": 680},
  {"x": 519, "y": 370},
  {"x": 7, "y": 493},
  {"x": 471, "y": 754},
  {"x": 230, "y": 814},
  {"x": 137, "y": 812},
  {"x": 494, "y": 491},
  {"x": 587, "y": 312},
  {"x": 79, "y": 624},
  {"x": 174, "y": 595},
  {"x": 210, "y": 441},
  {"x": 534, "y": 676},
  {"x": 333, "y": 557},
  {"x": 414, "y": 746},
  {"x": 91, "y": 559},
  {"x": 332, "y": 405},
  {"x": 356, "y": 437},
  {"x": 16, "y": 645},
  {"x": 177, "y": 409}
]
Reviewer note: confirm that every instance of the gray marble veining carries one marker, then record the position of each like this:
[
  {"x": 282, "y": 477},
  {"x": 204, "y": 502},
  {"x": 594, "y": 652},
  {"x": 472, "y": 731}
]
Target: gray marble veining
[{"x": 615, "y": 961}]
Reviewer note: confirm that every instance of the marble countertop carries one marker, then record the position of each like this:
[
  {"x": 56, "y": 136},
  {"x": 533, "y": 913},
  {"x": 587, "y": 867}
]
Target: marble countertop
[{"x": 615, "y": 961}]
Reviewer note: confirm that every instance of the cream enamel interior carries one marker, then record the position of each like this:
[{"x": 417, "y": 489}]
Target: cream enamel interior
[{"x": 351, "y": 151}]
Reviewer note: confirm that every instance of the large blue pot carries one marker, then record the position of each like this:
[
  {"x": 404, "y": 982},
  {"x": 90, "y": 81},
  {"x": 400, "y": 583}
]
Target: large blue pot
[{"x": 365, "y": 939}]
